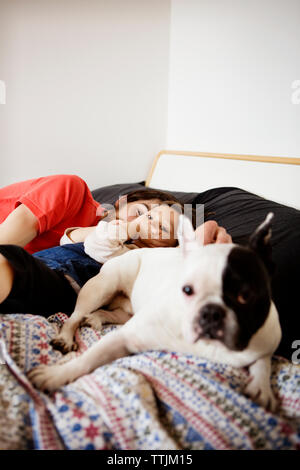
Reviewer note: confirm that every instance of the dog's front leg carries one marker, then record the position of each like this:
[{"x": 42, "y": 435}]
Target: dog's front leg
[
  {"x": 97, "y": 292},
  {"x": 98, "y": 318},
  {"x": 109, "y": 348},
  {"x": 259, "y": 385}
]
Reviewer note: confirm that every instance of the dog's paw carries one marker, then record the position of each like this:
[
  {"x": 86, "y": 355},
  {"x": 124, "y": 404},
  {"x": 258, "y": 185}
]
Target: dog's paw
[
  {"x": 261, "y": 394},
  {"x": 92, "y": 321},
  {"x": 63, "y": 344},
  {"x": 48, "y": 378}
]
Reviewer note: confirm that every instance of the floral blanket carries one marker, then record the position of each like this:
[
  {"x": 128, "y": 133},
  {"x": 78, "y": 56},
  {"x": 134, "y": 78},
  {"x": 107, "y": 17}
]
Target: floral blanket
[{"x": 154, "y": 400}]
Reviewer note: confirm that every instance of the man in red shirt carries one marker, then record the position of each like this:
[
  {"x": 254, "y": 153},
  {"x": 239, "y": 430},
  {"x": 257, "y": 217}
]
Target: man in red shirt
[{"x": 35, "y": 213}]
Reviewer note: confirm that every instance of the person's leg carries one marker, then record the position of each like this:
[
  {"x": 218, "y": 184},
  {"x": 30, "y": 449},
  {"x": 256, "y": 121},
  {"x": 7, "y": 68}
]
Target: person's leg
[
  {"x": 6, "y": 277},
  {"x": 29, "y": 286}
]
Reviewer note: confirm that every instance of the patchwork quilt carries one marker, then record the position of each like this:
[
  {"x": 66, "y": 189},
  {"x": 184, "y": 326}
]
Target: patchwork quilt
[{"x": 154, "y": 400}]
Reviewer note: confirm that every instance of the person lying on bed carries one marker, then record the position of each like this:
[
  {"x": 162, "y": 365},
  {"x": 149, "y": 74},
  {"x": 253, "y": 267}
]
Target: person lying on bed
[
  {"x": 48, "y": 281},
  {"x": 35, "y": 213}
]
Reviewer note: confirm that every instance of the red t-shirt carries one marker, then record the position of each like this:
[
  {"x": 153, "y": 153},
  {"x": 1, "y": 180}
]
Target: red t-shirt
[{"x": 58, "y": 202}]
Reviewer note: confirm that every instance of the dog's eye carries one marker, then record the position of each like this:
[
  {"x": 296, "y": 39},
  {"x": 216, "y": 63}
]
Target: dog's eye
[
  {"x": 243, "y": 297},
  {"x": 188, "y": 290}
]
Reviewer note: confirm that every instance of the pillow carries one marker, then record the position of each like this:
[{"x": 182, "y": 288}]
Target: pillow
[{"x": 109, "y": 194}]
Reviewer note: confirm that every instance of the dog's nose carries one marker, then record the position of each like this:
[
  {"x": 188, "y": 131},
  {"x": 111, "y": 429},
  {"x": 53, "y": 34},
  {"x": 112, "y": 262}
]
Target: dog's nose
[{"x": 212, "y": 320}]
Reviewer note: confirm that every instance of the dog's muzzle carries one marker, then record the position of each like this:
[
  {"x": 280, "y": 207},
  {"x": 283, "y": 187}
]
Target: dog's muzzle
[{"x": 211, "y": 321}]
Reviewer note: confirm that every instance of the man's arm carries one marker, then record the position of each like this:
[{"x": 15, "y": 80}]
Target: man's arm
[
  {"x": 19, "y": 227},
  {"x": 211, "y": 232}
]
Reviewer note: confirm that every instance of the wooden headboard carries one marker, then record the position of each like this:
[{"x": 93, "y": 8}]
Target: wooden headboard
[{"x": 275, "y": 178}]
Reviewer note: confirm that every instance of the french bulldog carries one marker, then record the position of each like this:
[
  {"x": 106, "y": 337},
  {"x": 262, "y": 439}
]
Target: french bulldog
[{"x": 213, "y": 301}]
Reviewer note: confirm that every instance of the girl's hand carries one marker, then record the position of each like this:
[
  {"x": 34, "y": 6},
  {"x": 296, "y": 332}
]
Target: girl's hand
[
  {"x": 118, "y": 230},
  {"x": 132, "y": 229},
  {"x": 211, "y": 232},
  {"x": 140, "y": 227}
]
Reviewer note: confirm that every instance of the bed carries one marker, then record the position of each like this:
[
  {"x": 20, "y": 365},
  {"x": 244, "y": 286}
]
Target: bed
[{"x": 158, "y": 399}]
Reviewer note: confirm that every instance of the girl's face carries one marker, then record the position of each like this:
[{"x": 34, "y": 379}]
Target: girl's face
[
  {"x": 157, "y": 227},
  {"x": 151, "y": 221}
]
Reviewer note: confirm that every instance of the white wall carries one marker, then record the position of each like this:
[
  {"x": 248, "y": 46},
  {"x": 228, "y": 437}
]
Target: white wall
[
  {"x": 86, "y": 88},
  {"x": 232, "y": 65},
  {"x": 98, "y": 87}
]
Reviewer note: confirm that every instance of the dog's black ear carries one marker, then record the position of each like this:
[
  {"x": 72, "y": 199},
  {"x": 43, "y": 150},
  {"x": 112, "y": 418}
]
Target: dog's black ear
[{"x": 260, "y": 242}]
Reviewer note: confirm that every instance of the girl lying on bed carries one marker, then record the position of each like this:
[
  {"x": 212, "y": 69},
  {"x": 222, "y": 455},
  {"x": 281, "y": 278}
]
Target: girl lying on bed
[{"x": 49, "y": 280}]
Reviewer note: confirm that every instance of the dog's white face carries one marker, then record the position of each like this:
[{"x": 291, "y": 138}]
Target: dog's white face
[{"x": 225, "y": 289}]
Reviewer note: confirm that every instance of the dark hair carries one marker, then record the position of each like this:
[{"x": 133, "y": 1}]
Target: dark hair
[{"x": 147, "y": 194}]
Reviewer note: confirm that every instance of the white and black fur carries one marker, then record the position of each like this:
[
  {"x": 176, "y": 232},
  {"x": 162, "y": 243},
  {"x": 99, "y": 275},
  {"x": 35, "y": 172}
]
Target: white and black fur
[{"x": 213, "y": 301}]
